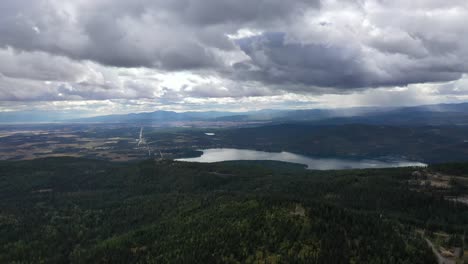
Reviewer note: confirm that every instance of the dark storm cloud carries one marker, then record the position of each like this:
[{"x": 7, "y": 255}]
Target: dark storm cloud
[
  {"x": 275, "y": 61},
  {"x": 73, "y": 49},
  {"x": 341, "y": 65},
  {"x": 208, "y": 12},
  {"x": 173, "y": 35}
]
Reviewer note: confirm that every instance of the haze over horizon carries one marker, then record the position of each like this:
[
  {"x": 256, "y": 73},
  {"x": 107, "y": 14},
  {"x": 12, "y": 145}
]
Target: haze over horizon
[{"x": 100, "y": 57}]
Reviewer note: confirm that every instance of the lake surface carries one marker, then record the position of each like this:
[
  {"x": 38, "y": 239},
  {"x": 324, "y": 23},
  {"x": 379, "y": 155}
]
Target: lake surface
[{"x": 227, "y": 154}]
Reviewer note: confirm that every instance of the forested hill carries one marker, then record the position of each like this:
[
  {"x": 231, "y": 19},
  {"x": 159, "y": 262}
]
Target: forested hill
[
  {"x": 61, "y": 210},
  {"x": 428, "y": 144}
]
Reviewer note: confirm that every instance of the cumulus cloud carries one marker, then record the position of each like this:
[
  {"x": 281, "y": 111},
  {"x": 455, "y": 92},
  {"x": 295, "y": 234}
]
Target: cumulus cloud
[
  {"x": 38, "y": 66},
  {"x": 173, "y": 35},
  {"x": 375, "y": 44},
  {"x": 275, "y": 60},
  {"x": 182, "y": 50}
]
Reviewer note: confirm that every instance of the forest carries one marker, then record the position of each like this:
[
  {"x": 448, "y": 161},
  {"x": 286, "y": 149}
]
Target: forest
[
  {"x": 424, "y": 143},
  {"x": 72, "y": 210}
]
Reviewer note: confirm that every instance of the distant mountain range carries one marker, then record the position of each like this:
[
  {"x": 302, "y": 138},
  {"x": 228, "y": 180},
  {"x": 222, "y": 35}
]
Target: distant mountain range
[
  {"x": 157, "y": 116},
  {"x": 440, "y": 114},
  {"x": 214, "y": 116}
]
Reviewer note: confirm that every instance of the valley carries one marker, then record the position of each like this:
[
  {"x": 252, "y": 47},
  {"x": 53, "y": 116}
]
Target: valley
[{"x": 118, "y": 142}]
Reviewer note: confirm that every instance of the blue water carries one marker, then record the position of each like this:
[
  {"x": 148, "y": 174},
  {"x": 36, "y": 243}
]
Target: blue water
[{"x": 226, "y": 154}]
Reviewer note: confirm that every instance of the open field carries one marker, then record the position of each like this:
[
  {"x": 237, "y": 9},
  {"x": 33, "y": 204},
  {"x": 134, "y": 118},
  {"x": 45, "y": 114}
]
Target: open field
[
  {"x": 119, "y": 142},
  {"x": 108, "y": 142}
]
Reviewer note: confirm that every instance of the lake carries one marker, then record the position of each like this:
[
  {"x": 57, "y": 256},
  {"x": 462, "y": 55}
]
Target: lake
[{"x": 227, "y": 154}]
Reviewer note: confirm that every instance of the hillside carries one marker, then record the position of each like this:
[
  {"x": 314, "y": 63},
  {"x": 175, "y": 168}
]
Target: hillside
[{"x": 76, "y": 210}]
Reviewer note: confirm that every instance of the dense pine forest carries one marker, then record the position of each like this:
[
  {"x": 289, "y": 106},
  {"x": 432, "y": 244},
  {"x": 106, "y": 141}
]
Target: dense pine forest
[{"x": 70, "y": 210}]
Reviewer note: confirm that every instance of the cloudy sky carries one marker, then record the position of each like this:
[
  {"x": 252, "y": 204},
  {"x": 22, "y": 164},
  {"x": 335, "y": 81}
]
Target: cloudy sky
[{"x": 113, "y": 56}]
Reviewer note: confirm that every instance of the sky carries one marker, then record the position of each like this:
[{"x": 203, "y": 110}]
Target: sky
[{"x": 95, "y": 57}]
